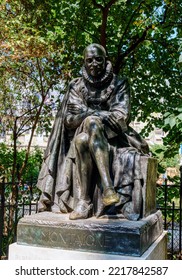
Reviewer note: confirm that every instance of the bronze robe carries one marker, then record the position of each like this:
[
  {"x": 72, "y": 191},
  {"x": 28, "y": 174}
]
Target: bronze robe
[{"x": 57, "y": 179}]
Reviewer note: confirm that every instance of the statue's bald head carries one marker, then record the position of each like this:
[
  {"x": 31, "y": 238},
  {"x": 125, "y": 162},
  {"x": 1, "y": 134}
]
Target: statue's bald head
[
  {"x": 95, "y": 59},
  {"x": 94, "y": 46}
]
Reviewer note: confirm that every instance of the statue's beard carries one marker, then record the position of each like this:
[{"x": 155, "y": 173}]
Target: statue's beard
[
  {"x": 98, "y": 81},
  {"x": 96, "y": 72}
]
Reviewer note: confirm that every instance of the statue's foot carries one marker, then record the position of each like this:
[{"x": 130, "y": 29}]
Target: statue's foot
[
  {"x": 110, "y": 197},
  {"x": 55, "y": 208},
  {"x": 82, "y": 211},
  {"x": 44, "y": 205}
]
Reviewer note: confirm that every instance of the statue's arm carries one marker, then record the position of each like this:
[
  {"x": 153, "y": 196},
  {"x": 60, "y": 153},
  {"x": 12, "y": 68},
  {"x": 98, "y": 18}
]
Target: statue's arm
[
  {"x": 76, "y": 110},
  {"x": 119, "y": 107},
  {"x": 73, "y": 121}
]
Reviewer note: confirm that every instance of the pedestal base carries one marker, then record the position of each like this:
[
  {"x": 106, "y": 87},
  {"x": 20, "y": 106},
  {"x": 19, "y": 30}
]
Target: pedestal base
[
  {"x": 117, "y": 237},
  {"x": 111, "y": 236},
  {"x": 157, "y": 251}
]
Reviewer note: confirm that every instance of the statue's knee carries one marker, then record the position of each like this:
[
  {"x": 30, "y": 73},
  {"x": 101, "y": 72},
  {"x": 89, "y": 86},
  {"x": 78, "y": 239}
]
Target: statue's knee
[
  {"x": 81, "y": 140},
  {"x": 92, "y": 122}
]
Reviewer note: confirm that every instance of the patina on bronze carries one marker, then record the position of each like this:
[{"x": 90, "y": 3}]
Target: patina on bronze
[
  {"x": 92, "y": 164},
  {"x": 107, "y": 236}
]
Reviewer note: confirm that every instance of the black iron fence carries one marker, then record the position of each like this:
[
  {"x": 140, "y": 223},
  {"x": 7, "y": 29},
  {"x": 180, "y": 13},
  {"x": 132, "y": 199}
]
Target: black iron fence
[
  {"x": 12, "y": 209},
  {"x": 169, "y": 201}
]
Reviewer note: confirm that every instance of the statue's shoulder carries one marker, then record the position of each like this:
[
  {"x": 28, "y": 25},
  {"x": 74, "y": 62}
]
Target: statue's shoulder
[
  {"x": 76, "y": 82},
  {"x": 122, "y": 85},
  {"x": 121, "y": 81}
]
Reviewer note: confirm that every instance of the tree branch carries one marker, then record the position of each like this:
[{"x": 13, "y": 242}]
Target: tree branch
[
  {"x": 36, "y": 119},
  {"x": 105, "y": 12},
  {"x": 27, "y": 112},
  {"x": 130, "y": 49},
  {"x": 34, "y": 125},
  {"x": 99, "y": 6},
  {"x": 23, "y": 124},
  {"x": 21, "y": 132},
  {"x": 108, "y": 6},
  {"x": 138, "y": 40},
  {"x": 40, "y": 75},
  {"x": 128, "y": 24},
  {"x": 165, "y": 13}
]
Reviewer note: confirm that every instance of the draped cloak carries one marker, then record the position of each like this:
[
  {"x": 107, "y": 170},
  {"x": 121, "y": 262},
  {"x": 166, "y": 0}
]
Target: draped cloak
[{"x": 58, "y": 179}]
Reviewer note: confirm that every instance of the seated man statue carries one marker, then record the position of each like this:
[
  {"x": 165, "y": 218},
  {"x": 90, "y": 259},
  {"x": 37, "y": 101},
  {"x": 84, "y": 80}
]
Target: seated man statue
[{"x": 92, "y": 161}]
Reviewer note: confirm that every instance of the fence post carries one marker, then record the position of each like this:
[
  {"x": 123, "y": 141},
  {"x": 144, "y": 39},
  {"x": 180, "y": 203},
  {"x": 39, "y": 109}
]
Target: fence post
[
  {"x": 165, "y": 206},
  {"x": 2, "y": 207},
  {"x": 16, "y": 213},
  {"x": 180, "y": 214},
  {"x": 172, "y": 231}
]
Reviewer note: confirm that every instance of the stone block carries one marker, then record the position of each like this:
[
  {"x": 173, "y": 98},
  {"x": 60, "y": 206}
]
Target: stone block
[
  {"x": 106, "y": 236},
  {"x": 157, "y": 251},
  {"x": 149, "y": 172}
]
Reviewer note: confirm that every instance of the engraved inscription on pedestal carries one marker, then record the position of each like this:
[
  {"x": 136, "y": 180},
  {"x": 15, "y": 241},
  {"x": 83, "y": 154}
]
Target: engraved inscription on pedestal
[
  {"x": 111, "y": 236},
  {"x": 80, "y": 239}
]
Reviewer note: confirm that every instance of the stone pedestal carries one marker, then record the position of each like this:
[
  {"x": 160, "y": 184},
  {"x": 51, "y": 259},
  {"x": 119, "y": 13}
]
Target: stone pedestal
[
  {"x": 118, "y": 238},
  {"x": 157, "y": 251}
]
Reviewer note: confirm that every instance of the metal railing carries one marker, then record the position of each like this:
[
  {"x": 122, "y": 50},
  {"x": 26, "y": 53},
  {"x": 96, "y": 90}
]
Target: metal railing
[
  {"x": 26, "y": 203},
  {"x": 169, "y": 201},
  {"x": 12, "y": 210}
]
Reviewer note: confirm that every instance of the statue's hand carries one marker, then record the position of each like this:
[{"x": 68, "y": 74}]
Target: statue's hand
[
  {"x": 76, "y": 109},
  {"x": 111, "y": 121},
  {"x": 101, "y": 114}
]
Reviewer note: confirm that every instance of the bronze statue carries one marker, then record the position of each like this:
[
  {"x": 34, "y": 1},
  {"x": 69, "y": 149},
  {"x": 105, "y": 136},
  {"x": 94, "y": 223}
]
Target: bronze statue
[{"x": 92, "y": 161}]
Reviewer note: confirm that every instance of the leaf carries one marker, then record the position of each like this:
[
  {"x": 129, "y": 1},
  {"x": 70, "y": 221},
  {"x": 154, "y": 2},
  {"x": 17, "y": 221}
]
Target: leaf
[
  {"x": 179, "y": 116},
  {"x": 172, "y": 122},
  {"x": 180, "y": 59},
  {"x": 158, "y": 151}
]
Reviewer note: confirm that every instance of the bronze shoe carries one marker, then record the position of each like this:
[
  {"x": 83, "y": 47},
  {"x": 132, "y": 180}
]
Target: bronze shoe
[
  {"x": 110, "y": 197},
  {"x": 44, "y": 205},
  {"x": 82, "y": 211}
]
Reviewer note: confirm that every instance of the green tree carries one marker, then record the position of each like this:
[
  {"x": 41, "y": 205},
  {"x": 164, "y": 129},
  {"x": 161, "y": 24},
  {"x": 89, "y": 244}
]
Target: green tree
[
  {"x": 30, "y": 74},
  {"x": 142, "y": 39},
  {"x": 165, "y": 159},
  {"x": 27, "y": 88},
  {"x": 32, "y": 168}
]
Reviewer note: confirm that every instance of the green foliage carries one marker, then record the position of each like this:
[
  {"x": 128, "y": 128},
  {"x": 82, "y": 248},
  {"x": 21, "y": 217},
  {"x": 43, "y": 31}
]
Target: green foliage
[
  {"x": 142, "y": 39},
  {"x": 29, "y": 94},
  {"x": 25, "y": 87},
  {"x": 167, "y": 203},
  {"x": 173, "y": 128},
  {"x": 6, "y": 161},
  {"x": 164, "y": 158},
  {"x": 33, "y": 166}
]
